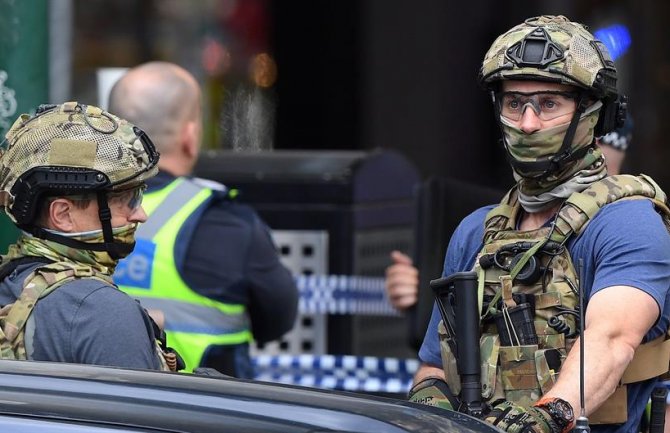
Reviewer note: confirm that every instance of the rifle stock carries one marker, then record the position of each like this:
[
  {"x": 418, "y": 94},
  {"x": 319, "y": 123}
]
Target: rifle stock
[{"x": 456, "y": 296}]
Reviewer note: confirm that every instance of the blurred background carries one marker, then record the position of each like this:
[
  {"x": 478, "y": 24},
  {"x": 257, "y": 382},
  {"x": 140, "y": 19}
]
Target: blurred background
[
  {"x": 348, "y": 74},
  {"x": 336, "y": 82}
]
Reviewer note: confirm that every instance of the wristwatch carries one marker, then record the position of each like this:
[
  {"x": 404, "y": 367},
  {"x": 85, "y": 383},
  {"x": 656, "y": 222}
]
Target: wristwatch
[{"x": 560, "y": 410}]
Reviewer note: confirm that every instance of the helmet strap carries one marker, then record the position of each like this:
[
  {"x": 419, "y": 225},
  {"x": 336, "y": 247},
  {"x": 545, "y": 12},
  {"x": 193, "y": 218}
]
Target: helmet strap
[
  {"x": 564, "y": 154},
  {"x": 105, "y": 215},
  {"x": 116, "y": 250}
]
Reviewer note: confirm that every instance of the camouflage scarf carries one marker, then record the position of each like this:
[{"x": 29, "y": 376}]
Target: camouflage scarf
[
  {"x": 542, "y": 145},
  {"x": 100, "y": 261},
  {"x": 578, "y": 183}
]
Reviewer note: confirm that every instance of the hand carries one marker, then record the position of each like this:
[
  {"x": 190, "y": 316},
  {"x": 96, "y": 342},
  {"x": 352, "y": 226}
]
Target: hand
[
  {"x": 517, "y": 419},
  {"x": 402, "y": 281},
  {"x": 434, "y": 391}
]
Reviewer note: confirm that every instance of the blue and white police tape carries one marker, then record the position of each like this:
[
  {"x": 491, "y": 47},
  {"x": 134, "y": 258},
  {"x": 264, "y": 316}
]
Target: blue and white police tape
[
  {"x": 346, "y": 373},
  {"x": 343, "y": 294}
]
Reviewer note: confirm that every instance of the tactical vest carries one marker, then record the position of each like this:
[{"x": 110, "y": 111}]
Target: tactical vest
[
  {"x": 42, "y": 281},
  {"x": 192, "y": 322},
  {"x": 529, "y": 300}
]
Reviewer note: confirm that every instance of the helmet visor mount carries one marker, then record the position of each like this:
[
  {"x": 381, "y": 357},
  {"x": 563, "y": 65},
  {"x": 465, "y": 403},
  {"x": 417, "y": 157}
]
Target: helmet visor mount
[{"x": 535, "y": 50}]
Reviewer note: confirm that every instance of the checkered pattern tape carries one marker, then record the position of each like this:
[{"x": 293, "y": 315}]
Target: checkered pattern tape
[
  {"x": 343, "y": 294},
  {"x": 347, "y": 373}
]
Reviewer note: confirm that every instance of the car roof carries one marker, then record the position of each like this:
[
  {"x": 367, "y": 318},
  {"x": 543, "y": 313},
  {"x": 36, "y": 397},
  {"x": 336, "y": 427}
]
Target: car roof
[{"x": 160, "y": 401}]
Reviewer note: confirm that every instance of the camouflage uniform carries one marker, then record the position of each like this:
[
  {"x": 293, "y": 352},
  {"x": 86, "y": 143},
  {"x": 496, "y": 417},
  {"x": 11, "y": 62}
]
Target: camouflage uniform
[
  {"x": 529, "y": 282},
  {"x": 71, "y": 150}
]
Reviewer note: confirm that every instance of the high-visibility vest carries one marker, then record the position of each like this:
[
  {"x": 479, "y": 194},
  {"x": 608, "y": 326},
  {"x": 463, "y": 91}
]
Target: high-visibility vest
[{"x": 192, "y": 322}]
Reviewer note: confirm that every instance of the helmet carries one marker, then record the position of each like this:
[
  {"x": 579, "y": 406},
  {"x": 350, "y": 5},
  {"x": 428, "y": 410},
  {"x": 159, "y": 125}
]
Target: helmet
[
  {"x": 555, "y": 49},
  {"x": 69, "y": 149}
]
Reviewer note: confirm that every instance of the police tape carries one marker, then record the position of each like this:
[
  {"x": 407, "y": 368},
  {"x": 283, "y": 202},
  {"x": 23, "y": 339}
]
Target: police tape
[
  {"x": 338, "y": 372},
  {"x": 343, "y": 294}
]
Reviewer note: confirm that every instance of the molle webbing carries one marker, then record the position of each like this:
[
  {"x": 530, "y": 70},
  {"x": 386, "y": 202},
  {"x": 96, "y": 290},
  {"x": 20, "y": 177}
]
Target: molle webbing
[
  {"x": 652, "y": 358},
  {"x": 503, "y": 216},
  {"x": 580, "y": 207}
]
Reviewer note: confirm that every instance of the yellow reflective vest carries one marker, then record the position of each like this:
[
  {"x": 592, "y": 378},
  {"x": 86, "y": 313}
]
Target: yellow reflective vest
[{"x": 192, "y": 322}]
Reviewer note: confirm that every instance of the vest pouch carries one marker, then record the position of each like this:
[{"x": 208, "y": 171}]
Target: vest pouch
[
  {"x": 519, "y": 375},
  {"x": 489, "y": 346},
  {"x": 448, "y": 360},
  {"x": 516, "y": 326},
  {"x": 547, "y": 365},
  {"x": 614, "y": 410}
]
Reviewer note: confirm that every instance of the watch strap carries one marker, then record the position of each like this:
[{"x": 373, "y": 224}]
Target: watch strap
[{"x": 552, "y": 405}]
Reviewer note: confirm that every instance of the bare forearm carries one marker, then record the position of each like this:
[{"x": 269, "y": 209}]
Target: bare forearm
[
  {"x": 427, "y": 370},
  {"x": 609, "y": 343},
  {"x": 604, "y": 364}
]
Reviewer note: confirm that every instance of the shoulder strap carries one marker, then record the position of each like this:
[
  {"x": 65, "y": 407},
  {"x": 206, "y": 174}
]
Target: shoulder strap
[
  {"x": 503, "y": 216},
  {"x": 581, "y": 207},
  {"x": 41, "y": 281},
  {"x": 9, "y": 267}
]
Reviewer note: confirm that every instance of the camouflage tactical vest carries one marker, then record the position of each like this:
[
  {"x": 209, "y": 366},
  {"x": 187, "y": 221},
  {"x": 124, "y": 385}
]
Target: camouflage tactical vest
[
  {"x": 41, "y": 282},
  {"x": 529, "y": 298}
]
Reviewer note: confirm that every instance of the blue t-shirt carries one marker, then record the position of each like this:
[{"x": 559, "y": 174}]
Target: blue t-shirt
[{"x": 625, "y": 244}]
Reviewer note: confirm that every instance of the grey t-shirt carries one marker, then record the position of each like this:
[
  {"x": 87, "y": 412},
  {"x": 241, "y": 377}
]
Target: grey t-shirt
[{"x": 87, "y": 322}]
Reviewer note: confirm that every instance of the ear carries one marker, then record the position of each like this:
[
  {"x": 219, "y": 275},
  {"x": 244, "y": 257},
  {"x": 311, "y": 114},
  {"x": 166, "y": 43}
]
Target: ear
[
  {"x": 190, "y": 139},
  {"x": 61, "y": 216}
]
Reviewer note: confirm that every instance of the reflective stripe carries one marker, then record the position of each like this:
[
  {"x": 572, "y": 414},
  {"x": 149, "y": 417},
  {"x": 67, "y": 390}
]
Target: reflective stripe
[
  {"x": 196, "y": 319},
  {"x": 181, "y": 194},
  {"x": 193, "y": 322}
]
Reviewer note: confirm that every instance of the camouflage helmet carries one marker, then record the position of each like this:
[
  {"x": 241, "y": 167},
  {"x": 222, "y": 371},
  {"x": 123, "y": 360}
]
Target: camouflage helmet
[
  {"x": 551, "y": 48},
  {"x": 70, "y": 149}
]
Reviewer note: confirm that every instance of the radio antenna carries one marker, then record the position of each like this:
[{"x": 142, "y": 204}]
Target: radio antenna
[{"x": 582, "y": 424}]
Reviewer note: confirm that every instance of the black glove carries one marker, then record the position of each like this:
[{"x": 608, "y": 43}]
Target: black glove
[
  {"x": 518, "y": 419},
  {"x": 434, "y": 391}
]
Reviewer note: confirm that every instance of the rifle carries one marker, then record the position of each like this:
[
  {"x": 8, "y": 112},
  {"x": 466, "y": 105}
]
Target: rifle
[{"x": 456, "y": 298}]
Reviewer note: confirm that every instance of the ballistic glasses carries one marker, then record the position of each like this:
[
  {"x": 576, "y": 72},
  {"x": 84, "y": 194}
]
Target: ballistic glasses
[
  {"x": 547, "y": 105},
  {"x": 132, "y": 197}
]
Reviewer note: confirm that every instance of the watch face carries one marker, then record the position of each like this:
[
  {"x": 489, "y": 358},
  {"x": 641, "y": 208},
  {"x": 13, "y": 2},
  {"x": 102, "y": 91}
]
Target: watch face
[
  {"x": 564, "y": 408},
  {"x": 561, "y": 411}
]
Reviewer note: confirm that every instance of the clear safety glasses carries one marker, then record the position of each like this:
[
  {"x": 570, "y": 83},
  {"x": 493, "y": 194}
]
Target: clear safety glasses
[
  {"x": 132, "y": 197},
  {"x": 547, "y": 105}
]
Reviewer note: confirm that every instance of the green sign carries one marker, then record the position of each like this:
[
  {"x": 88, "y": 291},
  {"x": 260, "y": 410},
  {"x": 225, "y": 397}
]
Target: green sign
[{"x": 24, "y": 71}]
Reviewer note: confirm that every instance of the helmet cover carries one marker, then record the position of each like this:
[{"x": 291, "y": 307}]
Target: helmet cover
[
  {"x": 68, "y": 149},
  {"x": 551, "y": 48}
]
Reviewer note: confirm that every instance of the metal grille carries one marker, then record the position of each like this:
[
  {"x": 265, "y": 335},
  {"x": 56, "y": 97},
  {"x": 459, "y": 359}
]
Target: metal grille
[
  {"x": 374, "y": 334},
  {"x": 303, "y": 252}
]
